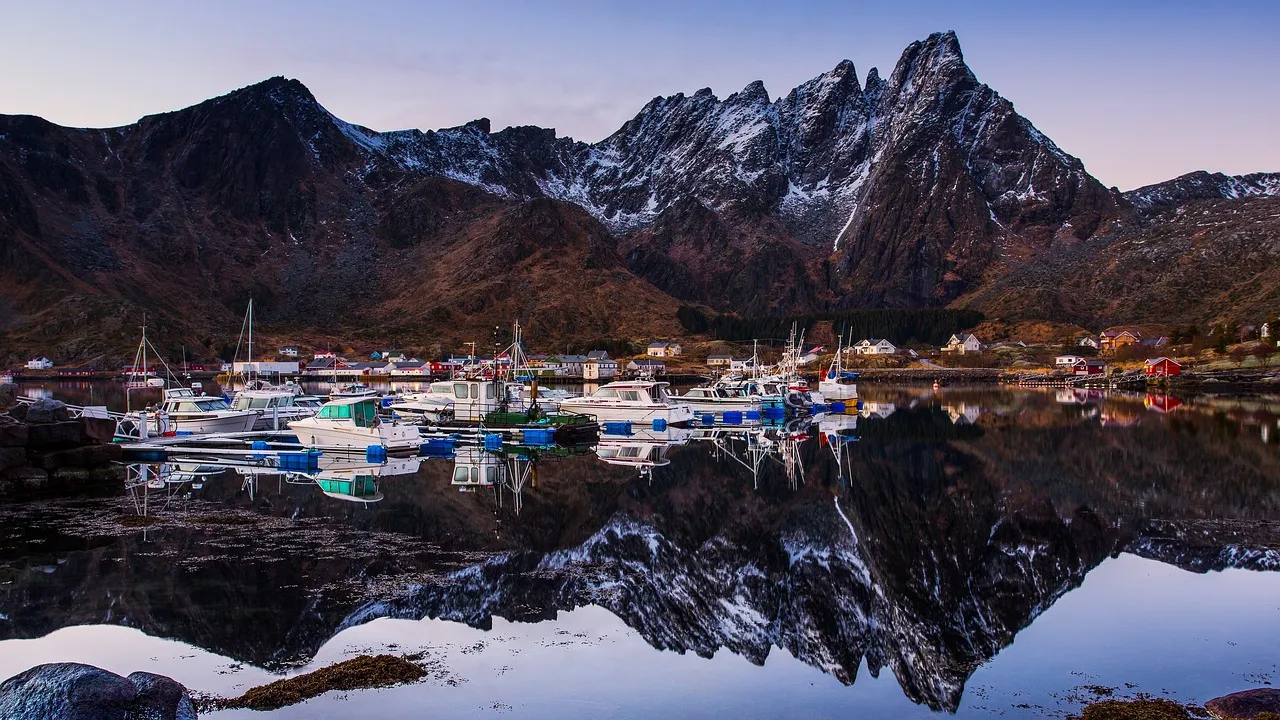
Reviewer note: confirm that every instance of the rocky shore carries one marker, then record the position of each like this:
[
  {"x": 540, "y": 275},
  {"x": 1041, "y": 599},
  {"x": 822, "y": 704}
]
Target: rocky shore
[
  {"x": 44, "y": 452},
  {"x": 72, "y": 691}
]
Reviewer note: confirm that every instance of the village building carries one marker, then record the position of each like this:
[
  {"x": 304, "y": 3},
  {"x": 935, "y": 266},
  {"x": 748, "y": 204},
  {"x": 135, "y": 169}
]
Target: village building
[
  {"x": 40, "y": 363},
  {"x": 742, "y": 364},
  {"x": 262, "y": 367},
  {"x": 288, "y": 351},
  {"x": 1085, "y": 366},
  {"x": 647, "y": 367},
  {"x": 76, "y": 372},
  {"x": 598, "y": 354},
  {"x": 1089, "y": 341},
  {"x": 1066, "y": 360},
  {"x": 599, "y": 369},
  {"x": 962, "y": 343},
  {"x": 571, "y": 365},
  {"x": 1163, "y": 367},
  {"x": 409, "y": 368},
  {"x": 663, "y": 349},
  {"x": 719, "y": 360},
  {"x": 1113, "y": 340},
  {"x": 875, "y": 347}
]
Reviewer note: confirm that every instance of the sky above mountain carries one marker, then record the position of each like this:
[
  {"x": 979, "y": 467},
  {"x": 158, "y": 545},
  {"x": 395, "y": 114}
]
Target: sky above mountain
[{"x": 1142, "y": 91}]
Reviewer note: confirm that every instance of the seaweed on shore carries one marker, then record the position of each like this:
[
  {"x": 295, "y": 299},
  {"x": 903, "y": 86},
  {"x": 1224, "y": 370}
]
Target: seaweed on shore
[{"x": 365, "y": 671}]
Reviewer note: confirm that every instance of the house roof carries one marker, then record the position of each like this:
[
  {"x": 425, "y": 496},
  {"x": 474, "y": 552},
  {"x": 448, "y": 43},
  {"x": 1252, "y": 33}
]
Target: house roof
[
  {"x": 719, "y": 357},
  {"x": 408, "y": 364},
  {"x": 649, "y": 363},
  {"x": 572, "y": 358},
  {"x": 598, "y": 354},
  {"x": 1157, "y": 361}
]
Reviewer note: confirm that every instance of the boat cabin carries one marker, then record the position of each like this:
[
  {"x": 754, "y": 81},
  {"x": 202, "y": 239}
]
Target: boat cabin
[
  {"x": 474, "y": 399},
  {"x": 361, "y": 411},
  {"x": 182, "y": 401}
]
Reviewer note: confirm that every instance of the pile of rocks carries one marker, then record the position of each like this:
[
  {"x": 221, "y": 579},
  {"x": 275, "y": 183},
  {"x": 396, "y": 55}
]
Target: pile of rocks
[
  {"x": 44, "y": 452},
  {"x": 72, "y": 691}
]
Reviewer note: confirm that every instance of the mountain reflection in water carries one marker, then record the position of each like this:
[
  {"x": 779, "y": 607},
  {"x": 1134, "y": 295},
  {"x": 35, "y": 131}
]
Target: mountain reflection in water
[{"x": 920, "y": 536}]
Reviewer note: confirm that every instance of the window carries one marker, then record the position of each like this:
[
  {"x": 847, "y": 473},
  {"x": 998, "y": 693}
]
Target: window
[
  {"x": 629, "y": 395},
  {"x": 491, "y": 475},
  {"x": 460, "y": 391},
  {"x": 605, "y": 393},
  {"x": 461, "y": 475},
  {"x": 475, "y": 391}
]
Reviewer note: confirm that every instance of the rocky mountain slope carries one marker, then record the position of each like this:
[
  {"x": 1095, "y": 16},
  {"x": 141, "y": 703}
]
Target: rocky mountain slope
[{"x": 920, "y": 188}]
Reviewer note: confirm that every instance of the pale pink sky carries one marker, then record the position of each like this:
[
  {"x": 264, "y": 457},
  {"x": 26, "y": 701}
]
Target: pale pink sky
[{"x": 1142, "y": 91}]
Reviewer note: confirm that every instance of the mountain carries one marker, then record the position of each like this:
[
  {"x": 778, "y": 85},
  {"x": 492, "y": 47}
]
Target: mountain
[{"x": 924, "y": 187}]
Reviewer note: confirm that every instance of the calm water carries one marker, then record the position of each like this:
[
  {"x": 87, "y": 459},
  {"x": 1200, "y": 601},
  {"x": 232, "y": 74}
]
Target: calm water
[{"x": 975, "y": 551}]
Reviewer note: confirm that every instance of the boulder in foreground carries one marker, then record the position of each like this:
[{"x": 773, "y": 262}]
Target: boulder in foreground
[{"x": 72, "y": 691}]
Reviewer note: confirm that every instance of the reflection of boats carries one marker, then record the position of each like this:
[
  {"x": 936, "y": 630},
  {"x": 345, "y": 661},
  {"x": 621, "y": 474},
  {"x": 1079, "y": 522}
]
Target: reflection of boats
[
  {"x": 355, "y": 488},
  {"x": 643, "y": 449},
  {"x": 719, "y": 400},
  {"x": 354, "y": 422},
  {"x": 879, "y": 410},
  {"x": 193, "y": 413},
  {"x": 477, "y": 467},
  {"x": 837, "y": 423},
  {"x": 637, "y": 401}
]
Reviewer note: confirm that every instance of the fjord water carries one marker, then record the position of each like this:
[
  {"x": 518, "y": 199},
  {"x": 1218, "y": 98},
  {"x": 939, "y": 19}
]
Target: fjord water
[{"x": 976, "y": 551}]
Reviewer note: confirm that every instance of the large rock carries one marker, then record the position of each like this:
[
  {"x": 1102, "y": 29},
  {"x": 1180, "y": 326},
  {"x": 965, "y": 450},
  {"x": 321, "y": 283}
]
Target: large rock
[
  {"x": 48, "y": 410},
  {"x": 13, "y": 434},
  {"x": 19, "y": 412},
  {"x": 55, "y": 435},
  {"x": 1245, "y": 705},
  {"x": 99, "y": 430},
  {"x": 72, "y": 691},
  {"x": 8, "y": 396}
]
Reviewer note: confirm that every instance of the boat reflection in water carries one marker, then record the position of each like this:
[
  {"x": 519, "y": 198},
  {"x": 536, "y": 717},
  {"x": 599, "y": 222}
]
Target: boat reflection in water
[{"x": 908, "y": 548}]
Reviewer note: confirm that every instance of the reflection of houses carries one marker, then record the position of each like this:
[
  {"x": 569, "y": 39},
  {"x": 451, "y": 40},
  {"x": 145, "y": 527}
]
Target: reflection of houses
[
  {"x": 875, "y": 347},
  {"x": 1116, "y": 415},
  {"x": 1161, "y": 403},
  {"x": 1163, "y": 367},
  {"x": 1113, "y": 340},
  {"x": 962, "y": 343},
  {"x": 962, "y": 413},
  {"x": 75, "y": 372},
  {"x": 877, "y": 409}
]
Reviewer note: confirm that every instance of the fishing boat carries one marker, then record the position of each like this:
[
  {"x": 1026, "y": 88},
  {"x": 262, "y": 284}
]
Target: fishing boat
[
  {"x": 643, "y": 449},
  {"x": 637, "y": 401},
  {"x": 837, "y": 383},
  {"x": 277, "y": 406},
  {"x": 353, "y": 390},
  {"x": 487, "y": 403},
  {"x": 353, "y": 422},
  {"x": 204, "y": 414},
  {"x": 433, "y": 405},
  {"x": 719, "y": 400}
]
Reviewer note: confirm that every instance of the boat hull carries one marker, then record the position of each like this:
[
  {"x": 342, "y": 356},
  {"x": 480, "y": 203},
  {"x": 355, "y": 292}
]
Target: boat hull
[
  {"x": 324, "y": 433},
  {"x": 208, "y": 424},
  {"x": 639, "y": 414},
  {"x": 837, "y": 391},
  {"x": 720, "y": 406}
]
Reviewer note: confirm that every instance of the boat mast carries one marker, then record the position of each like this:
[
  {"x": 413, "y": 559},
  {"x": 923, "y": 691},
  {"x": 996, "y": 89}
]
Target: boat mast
[{"x": 249, "y": 367}]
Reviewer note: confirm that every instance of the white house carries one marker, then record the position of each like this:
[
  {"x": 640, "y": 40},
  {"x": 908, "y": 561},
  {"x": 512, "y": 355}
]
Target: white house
[
  {"x": 741, "y": 364},
  {"x": 663, "y": 349},
  {"x": 719, "y": 360},
  {"x": 598, "y": 369},
  {"x": 963, "y": 343},
  {"x": 647, "y": 367},
  {"x": 875, "y": 347},
  {"x": 570, "y": 365},
  {"x": 40, "y": 363},
  {"x": 289, "y": 351},
  {"x": 1067, "y": 360}
]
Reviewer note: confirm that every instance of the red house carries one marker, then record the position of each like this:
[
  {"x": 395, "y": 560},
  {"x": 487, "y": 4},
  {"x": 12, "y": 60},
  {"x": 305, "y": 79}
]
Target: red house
[
  {"x": 1088, "y": 367},
  {"x": 1163, "y": 367}
]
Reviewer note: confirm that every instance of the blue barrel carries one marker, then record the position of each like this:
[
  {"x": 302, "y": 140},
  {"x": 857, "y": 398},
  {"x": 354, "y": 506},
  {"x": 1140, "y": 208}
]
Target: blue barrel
[
  {"x": 375, "y": 454},
  {"x": 708, "y": 419},
  {"x": 752, "y": 415},
  {"x": 493, "y": 442},
  {"x": 618, "y": 427},
  {"x": 775, "y": 413},
  {"x": 304, "y": 461},
  {"x": 818, "y": 408},
  {"x": 837, "y": 407},
  {"x": 859, "y": 405},
  {"x": 437, "y": 447},
  {"x": 660, "y": 424},
  {"x": 732, "y": 417},
  {"x": 260, "y": 445}
]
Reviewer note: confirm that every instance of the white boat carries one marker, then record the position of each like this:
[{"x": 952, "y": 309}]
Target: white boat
[
  {"x": 643, "y": 449},
  {"x": 637, "y": 401},
  {"x": 353, "y": 422},
  {"x": 719, "y": 400},
  {"x": 188, "y": 412},
  {"x": 278, "y": 406},
  {"x": 353, "y": 390},
  {"x": 435, "y": 404},
  {"x": 837, "y": 383}
]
